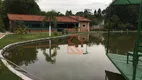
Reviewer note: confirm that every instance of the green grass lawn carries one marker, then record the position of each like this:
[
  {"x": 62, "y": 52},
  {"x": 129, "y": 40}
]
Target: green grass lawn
[{"x": 19, "y": 37}]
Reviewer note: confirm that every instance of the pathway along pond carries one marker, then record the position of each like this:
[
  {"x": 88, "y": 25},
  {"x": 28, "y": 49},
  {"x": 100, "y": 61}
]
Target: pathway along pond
[{"x": 81, "y": 57}]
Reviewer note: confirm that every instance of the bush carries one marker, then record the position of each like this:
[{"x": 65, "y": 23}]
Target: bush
[
  {"x": 55, "y": 33},
  {"x": 20, "y": 28}
]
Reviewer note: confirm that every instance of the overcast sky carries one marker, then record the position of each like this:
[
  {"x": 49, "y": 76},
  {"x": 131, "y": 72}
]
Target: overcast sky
[{"x": 74, "y": 5}]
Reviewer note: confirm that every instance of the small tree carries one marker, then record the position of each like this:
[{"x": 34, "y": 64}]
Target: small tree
[
  {"x": 20, "y": 28},
  {"x": 51, "y": 17}
]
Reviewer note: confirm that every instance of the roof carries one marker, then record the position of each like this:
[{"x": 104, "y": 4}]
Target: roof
[
  {"x": 65, "y": 19},
  {"x": 80, "y": 18},
  {"x": 126, "y": 2},
  {"x": 25, "y": 17}
]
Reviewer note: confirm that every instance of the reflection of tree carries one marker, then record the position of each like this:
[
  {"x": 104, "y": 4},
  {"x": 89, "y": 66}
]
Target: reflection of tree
[
  {"x": 95, "y": 39},
  {"x": 21, "y": 56},
  {"x": 120, "y": 42},
  {"x": 51, "y": 57}
]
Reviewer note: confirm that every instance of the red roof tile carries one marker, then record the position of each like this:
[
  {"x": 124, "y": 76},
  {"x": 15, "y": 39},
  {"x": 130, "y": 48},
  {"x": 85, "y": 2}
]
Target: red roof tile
[
  {"x": 25, "y": 17},
  {"x": 40, "y": 18},
  {"x": 80, "y": 18},
  {"x": 65, "y": 19}
]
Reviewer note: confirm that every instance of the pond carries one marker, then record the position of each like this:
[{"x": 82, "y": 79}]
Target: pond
[{"x": 81, "y": 57}]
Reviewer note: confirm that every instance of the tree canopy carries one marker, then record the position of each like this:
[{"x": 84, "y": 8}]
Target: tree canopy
[
  {"x": 127, "y": 15},
  {"x": 21, "y": 6},
  {"x": 69, "y": 13},
  {"x": 1, "y": 21}
]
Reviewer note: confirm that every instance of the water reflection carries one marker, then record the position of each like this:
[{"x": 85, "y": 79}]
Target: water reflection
[
  {"x": 27, "y": 54},
  {"x": 113, "y": 76},
  {"x": 44, "y": 54},
  {"x": 21, "y": 55},
  {"x": 49, "y": 55}
]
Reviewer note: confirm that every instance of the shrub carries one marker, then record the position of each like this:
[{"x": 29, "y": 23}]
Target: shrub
[
  {"x": 20, "y": 28},
  {"x": 55, "y": 33}
]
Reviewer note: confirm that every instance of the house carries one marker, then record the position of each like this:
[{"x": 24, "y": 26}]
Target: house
[{"x": 34, "y": 23}]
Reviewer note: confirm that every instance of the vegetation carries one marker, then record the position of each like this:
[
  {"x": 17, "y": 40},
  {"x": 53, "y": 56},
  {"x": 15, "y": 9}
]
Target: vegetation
[
  {"x": 68, "y": 13},
  {"x": 1, "y": 20},
  {"x": 96, "y": 17},
  {"x": 23, "y": 37},
  {"x": 51, "y": 17},
  {"x": 20, "y": 27},
  {"x": 18, "y": 7},
  {"x": 21, "y": 6},
  {"x": 122, "y": 17},
  {"x": 31, "y": 7}
]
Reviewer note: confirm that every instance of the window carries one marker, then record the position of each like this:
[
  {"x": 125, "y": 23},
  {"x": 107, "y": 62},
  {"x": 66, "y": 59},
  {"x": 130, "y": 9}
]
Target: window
[{"x": 83, "y": 25}]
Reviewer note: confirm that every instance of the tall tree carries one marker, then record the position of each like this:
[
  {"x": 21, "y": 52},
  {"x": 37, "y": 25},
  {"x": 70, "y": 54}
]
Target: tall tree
[
  {"x": 69, "y": 13},
  {"x": 99, "y": 12},
  {"x": 127, "y": 14},
  {"x": 95, "y": 13},
  {"x": 1, "y": 15},
  {"x": 80, "y": 13},
  {"x": 87, "y": 13},
  {"x": 51, "y": 17},
  {"x": 21, "y": 6}
]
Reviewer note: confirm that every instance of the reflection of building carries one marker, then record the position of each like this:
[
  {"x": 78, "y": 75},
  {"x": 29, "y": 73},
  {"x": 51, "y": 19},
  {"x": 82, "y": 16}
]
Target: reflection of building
[
  {"x": 84, "y": 37},
  {"x": 34, "y": 23}
]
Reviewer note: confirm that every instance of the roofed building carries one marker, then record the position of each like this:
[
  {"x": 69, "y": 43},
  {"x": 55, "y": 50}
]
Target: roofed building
[{"x": 34, "y": 23}]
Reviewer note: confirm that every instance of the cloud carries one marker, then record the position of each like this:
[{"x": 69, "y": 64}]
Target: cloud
[{"x": 74, "y": 5}]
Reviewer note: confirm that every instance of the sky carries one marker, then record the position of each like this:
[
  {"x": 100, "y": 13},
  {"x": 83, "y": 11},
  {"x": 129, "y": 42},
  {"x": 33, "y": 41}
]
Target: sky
[{"x": 74, "y": 5}]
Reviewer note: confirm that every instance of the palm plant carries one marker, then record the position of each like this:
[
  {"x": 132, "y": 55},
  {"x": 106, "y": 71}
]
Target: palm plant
[
  {"x": 51, "y": 17},
  {"x": 50, "y": 57}
]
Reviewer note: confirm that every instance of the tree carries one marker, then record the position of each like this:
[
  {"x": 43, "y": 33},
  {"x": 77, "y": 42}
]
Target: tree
[
  {"x": 80, "y": 13},
  {"x": 127, "y": 14},
  {"x": 21, "y": 6},
  {"x": 95, "y": 13},
  {"x": 18, "y": 7},
  {"x": 99, "y": 12},
  {"x": 1, "y": 20},
  {"x": 87, "y": 13},
  {"x": 51, "y": 17},
  {"x": 69, "y": 13}
]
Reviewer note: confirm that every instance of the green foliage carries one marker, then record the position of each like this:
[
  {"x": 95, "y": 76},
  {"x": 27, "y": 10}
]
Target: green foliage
[
  {"x": 69, "y": 13},
  {"x": 96, "y": 18},
  {"x": 1, "y": 20},
  {"x": 80, "y": 13},
  {"x": 21, "y": 6},
  {"x": 20, "y": 28},
  {"x": 55, "y": 33},
  {"x": 51, "y": 17},
  {"x": 1, "y": 26},
  {"x": 126, "y": 17},
  {"x": 17, "y": 7}
]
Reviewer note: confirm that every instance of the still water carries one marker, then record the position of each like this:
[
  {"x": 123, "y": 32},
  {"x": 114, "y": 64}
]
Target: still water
[{"x": 81, "y": 57}]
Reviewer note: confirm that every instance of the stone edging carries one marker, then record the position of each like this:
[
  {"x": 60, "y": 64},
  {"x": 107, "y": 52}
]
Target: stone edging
[{"x": 19, "y": 43}]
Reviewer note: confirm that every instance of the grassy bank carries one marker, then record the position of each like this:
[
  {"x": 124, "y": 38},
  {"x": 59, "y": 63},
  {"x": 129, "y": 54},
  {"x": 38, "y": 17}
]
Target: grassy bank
[{"x": 17, "y": 38}]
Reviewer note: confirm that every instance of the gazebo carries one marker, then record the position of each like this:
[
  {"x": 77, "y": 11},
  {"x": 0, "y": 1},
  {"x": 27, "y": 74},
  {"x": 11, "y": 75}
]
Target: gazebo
[{"x": 129, "y": 65}]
